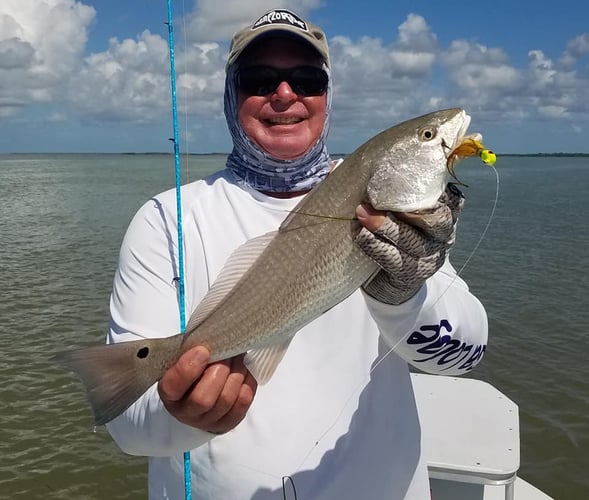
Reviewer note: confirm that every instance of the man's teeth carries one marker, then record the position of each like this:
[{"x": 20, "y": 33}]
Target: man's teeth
[{"x": 284, "y": 120}]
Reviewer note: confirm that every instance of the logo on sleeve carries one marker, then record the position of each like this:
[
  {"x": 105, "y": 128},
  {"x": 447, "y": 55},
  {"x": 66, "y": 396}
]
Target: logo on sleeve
[
  {"x": 434, "y": 345},
  {"x": 280, "y": 16}
]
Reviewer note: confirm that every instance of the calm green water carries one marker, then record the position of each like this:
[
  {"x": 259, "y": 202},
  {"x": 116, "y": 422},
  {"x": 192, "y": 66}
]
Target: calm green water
[{"x": 62, "y": 219}]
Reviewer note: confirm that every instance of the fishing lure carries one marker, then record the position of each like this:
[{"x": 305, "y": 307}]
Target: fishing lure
[
  {"x": 470, "y": 147},
  {"x": 487, "y": 156}
]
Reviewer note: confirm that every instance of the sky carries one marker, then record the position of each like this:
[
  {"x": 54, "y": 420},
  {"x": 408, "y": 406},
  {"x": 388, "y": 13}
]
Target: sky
[{"x": 94, "y": 75}]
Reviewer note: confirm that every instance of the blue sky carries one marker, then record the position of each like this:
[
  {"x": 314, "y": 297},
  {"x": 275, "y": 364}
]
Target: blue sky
[{"x": 93, "y": 75}]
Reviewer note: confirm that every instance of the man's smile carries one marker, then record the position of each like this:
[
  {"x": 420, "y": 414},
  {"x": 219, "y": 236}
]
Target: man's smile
[{"x": 283, "y": 120}]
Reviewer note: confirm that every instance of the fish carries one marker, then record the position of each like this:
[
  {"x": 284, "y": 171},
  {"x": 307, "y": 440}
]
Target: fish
[{"x": 277, "y": 283}]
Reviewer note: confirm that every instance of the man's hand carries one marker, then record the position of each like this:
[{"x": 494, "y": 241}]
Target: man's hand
[
  {"x": 213, "y": 398},
  {"x": 409, "y": 247}
]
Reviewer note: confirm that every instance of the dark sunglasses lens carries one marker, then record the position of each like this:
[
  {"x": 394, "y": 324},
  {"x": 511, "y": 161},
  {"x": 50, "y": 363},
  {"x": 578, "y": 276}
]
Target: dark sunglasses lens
[
  {"x": 263, "y": 80},
  {"x": 257, "y": 80},
  {"x": 308, "y": 81}
]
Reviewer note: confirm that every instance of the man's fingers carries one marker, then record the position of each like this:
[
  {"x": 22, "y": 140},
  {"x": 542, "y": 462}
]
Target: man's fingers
[
  {"x": 239, "y": 409},
  {"x": 217, "y": 391},
  {"x": 409, "y": 247},
  {"x": 178, "y": 380},
  {"x": 233, "y": 401},
  {"x": 205, "y": 394},
  {"x": 213, "y": 397},
  {"x": 395, "y": 236},
  {"x": 369, "y": 217},
  {"x": 435, "y": 224}
]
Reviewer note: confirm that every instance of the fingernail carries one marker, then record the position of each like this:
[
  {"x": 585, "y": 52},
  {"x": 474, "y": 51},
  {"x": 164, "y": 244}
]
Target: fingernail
[
  {"x": 200, "y": 356},
  {"x": 361, "y": 212}
]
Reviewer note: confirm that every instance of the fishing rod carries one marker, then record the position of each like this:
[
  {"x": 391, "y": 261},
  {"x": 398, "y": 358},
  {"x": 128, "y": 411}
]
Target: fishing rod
[{"x": 180, "y": 280}]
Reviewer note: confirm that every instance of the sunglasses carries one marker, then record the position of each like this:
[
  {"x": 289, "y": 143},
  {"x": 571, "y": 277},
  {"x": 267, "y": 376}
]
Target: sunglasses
[{"x": 263, "y": 80}]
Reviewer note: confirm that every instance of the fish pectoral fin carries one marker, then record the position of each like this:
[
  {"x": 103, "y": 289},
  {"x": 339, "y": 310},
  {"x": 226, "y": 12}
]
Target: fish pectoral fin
[
  {"x": 262, "y": 362},
  {"x": 236, "y": 266}
]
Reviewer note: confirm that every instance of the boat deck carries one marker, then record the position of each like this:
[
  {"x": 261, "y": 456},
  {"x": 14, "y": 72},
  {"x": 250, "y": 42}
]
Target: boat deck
[{"x": 471, "y": 439}]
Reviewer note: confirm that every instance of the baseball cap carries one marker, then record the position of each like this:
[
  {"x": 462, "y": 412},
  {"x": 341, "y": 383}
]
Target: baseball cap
[{"x": 279, "y": 22}]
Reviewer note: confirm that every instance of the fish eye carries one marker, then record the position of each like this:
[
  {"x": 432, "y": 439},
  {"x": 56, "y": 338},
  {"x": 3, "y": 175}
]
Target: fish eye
[{"x": 427, "y": 133}]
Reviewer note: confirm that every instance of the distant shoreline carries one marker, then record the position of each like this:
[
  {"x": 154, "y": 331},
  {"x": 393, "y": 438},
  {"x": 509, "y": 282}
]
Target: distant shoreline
[
  {"x": 559, "y": 155},
  {"x": 334, "y": 155}
]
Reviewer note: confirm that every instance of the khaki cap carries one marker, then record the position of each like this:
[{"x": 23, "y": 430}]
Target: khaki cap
[{"x": 279, "y": 21}]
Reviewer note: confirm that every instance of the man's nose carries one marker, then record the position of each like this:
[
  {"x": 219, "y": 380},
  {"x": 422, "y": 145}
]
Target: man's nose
[{"x": 284, "y": 92}]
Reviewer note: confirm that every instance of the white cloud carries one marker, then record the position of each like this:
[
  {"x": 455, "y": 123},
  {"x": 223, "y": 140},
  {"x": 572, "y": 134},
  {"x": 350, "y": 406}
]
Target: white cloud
[
  {"x": 214, "y": 20},
  {"x": 376, "y": 83},
  {"x": 479, "y": 69},
  {"x": 415, "y": 51},
  {"x": 552, "y": 111},
  {"x": 556, "y": 92},
  {"x": 461, "y": 51},
  {"x": 36, "y": 60},
  {"x": 15, "y": 53},
  {"x": 416, "y": 35},
  {"x": 579, "y": 46},
  {"x": 412, "y": 63},
  {"x": 486, "y": 80},
  {"x": 131, "y": 80},
  {"x": 56, "y": 117}
]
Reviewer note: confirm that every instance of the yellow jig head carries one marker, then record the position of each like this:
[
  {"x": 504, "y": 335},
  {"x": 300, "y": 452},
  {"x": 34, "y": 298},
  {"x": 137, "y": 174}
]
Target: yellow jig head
[
  {"x": 469, "y": 147},
  {"x": 487, "y": 156}
]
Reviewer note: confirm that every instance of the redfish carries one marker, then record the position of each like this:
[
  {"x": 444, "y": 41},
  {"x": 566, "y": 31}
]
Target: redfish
[{"x": 274, "y": 285}]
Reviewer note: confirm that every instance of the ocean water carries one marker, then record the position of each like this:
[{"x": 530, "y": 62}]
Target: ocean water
[{"x": 62, "y": 219}]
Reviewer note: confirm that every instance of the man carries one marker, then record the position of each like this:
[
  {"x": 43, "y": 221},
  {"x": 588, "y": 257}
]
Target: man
[{"x": 332, "y": 421}]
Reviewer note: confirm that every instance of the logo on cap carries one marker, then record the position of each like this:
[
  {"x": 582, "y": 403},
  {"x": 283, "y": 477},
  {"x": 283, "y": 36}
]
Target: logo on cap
[{"x": 280, "y": 16}]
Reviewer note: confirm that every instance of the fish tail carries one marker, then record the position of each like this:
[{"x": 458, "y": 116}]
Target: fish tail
[{"x": 116, "y": 375}]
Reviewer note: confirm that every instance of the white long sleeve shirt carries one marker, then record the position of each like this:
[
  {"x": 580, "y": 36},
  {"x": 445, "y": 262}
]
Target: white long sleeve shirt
[{"x": 339, "y": 426}]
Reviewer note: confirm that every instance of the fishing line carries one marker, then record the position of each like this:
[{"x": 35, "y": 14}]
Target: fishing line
[
  {"x": 329, "y": 217},
  {"x": 186, "y": 143},
  {"x": 181, "y": 298},
  {"x": 487, "y": 226},
  {"x": 404, "y": 336}
]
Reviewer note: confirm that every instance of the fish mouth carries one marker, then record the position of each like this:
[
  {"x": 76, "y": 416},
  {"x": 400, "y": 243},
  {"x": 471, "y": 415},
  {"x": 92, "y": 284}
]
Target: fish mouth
[
  {"x": 462, "y": 133},
  {"x": 464, "y": 145},
  {"x": 462, "y": 138}
]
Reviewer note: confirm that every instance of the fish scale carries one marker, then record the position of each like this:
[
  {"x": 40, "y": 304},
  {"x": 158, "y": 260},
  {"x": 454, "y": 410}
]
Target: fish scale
[{"x": 340, "y": 269}]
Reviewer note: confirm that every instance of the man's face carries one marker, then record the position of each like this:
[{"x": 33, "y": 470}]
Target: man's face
[{"x": 282, "y": 123}]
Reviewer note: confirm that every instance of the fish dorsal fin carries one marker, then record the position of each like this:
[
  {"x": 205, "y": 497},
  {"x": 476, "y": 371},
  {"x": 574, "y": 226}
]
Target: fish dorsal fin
[
  {"x": 262, "y": 362},
  {"x": 236, "y": 266}
]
